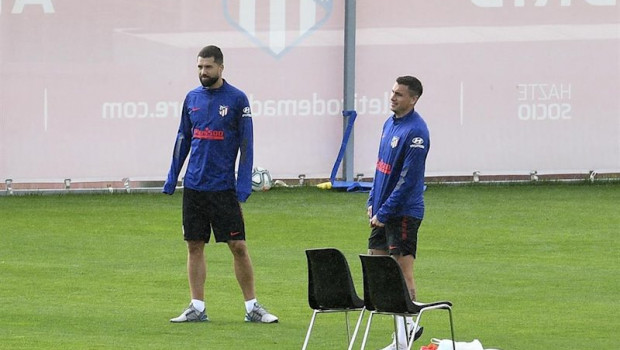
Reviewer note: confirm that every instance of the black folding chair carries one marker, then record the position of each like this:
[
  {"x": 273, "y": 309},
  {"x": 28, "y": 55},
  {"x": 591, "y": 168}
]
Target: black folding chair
[
  {"x": 385, "y": 292},
  {"x": 331, "y": 289}
]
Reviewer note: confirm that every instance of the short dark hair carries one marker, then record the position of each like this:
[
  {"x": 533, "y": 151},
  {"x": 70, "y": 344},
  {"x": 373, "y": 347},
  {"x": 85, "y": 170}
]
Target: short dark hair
[
  {"x": 414, "y": 85},
  {"x": 212, "y": 51}
]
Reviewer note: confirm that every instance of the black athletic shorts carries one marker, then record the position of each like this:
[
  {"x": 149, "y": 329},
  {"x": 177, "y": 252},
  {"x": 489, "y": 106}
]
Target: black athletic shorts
[
  {"x": 399, "y": 236},
  {"x": 219, "y": 210}
]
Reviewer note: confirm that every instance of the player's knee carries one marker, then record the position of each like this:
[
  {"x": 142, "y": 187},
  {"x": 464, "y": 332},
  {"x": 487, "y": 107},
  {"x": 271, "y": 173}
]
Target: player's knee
[
  {"x": 195, "y": 247},
  {"x": 238, "y": 248}
]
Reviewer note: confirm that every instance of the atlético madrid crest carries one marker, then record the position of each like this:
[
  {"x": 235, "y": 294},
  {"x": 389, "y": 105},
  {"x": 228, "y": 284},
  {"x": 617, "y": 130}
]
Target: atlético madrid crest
[
  {"x": 223, "y": 110},
  {"x": 277, "y": 25},
  {"x": 394, "y": 141}
]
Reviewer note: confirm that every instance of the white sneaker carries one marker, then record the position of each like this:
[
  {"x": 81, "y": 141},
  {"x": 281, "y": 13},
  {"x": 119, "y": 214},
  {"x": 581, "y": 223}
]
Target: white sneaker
[
  {"x": 259, "y": 314},
  {"x": 417, "y": 334},
  {"x": 191, "y": 315},
  {"x": 416, "y": 331}
]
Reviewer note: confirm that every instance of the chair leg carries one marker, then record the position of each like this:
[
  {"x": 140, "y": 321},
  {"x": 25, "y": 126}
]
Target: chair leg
[
  {"x": 451, "y": 328},
  {"x": 357, "y": 327},
  {"x": 396, "y": 330},
  {"x": 309, "y": 330},
  {"x": 367, "y": 330},
  {"x": 417, "y": 323},
  {"x": 346, "y": 321},
  {"x": 408, "y": 339}
]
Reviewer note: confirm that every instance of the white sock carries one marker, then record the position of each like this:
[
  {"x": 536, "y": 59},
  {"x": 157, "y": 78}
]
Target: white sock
[
  {"x": 410, "y": 323},
  {"x": 249, "y": 305},
  {"x": 198, "y": 304},
  {"x": 402, "y": 332}
]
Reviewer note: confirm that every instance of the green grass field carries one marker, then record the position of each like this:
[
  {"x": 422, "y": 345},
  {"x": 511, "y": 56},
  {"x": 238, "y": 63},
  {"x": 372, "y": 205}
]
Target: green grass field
[{"x": 527, "y": 267}]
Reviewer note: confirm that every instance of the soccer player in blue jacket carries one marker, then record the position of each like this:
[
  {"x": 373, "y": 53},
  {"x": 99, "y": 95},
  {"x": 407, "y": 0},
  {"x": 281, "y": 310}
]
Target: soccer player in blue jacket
[
  {"x": 216, "y": 126},
  {"x": 396, "y": 200}
]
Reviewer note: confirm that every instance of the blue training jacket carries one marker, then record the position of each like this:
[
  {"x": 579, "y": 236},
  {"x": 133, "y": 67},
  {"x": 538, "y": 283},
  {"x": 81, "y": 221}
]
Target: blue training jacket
[
  {"x": 216, "y": 125},
  {"x": 398, "y": 186}
]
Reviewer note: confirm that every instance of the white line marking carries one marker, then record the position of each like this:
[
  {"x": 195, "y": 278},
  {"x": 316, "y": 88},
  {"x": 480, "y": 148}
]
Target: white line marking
[
  {"x": 45, "y": 108},
  {"x": 461, "y": 103},
  {"x": 247, "y": 14},
  {"x": 307, "y": 15},
  {"x": 277, "y": 24}
]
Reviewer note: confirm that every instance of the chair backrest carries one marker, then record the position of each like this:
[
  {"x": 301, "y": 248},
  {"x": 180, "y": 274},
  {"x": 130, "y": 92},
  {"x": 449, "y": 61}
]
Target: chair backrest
[
  {"x": 330, "y": 285},
  {"x": 385, "y": 288}
]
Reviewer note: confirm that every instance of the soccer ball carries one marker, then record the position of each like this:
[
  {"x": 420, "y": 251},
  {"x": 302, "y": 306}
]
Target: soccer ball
[{"x": 261, "y": 179}]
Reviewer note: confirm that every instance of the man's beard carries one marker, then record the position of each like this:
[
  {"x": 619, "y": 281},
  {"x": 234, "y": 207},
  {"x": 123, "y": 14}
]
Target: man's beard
[{"x": 207, "y": 82}]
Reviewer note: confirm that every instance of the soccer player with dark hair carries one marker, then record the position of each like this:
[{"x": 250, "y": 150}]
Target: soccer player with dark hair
[
  {"x": 396, "y": 200},
  {"x": 216, "y": 126}
]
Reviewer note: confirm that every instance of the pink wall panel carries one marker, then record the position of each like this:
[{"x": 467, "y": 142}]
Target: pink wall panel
[{"x": 93, "y": 89}]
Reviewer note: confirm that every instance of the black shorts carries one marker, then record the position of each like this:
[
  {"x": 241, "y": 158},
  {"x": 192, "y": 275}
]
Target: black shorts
[
  {"x": 399, "y": 236},
  {"x": 220, "y": 211}
]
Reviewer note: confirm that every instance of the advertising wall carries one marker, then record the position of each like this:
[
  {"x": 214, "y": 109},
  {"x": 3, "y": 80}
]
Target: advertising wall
[{"x": 93, "y": 89}]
